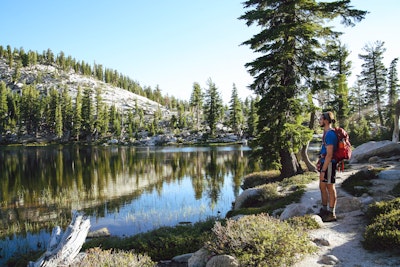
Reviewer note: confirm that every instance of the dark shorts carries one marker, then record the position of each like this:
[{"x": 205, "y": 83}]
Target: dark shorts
[{"x": 330, "y": 174}]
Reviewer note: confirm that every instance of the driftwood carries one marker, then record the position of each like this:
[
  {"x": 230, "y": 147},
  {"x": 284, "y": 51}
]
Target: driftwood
[{"x": 63, "y": 248}]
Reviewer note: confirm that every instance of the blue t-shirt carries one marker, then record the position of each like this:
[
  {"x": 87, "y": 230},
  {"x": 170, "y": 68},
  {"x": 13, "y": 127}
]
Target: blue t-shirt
[{"x": 329, "y": 139}]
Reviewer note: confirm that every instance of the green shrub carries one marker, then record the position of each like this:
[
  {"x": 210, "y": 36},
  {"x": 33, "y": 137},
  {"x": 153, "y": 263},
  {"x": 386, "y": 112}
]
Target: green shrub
[
  {"x": 384, "y": 232},
  {"x": 97, "y": 257},
  {"x": 305, "y": 222},
  {"x": 259, "y": 178},
  {"x": 260, "y": 240},
  {"x": 358, "y": 183},
  {"x": 382, "y": 207},
  {"x": 160, "y": 244},
  {"x": 266, "y": 193}
]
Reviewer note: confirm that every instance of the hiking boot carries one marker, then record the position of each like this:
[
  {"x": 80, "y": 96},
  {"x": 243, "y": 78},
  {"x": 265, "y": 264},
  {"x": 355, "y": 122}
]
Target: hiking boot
[
  {"x": 322, "y": 213},
  {"x": 329, "y": 217}
]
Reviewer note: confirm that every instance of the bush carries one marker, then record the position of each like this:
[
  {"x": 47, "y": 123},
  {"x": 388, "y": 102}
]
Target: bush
[
  {"x": 305, "y": 222},
  {"x": 358, "y": 183},
  {"x": 259, "y": 178},
  {"x": 160, "y": 244},
  {"x": 260, "y": 240},
  {"x": 383, "y": 233},
  {"x": 383, "y": 207},
  {"x": 267, "y": 193},
  {"x": 97, "y": 257}
]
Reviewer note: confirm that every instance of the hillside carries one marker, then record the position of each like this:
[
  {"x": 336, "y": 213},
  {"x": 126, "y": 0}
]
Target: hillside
[{"x": 54, "y": 77}]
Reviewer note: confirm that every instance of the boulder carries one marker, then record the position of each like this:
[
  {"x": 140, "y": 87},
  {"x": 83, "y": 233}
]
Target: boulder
[
  {"x": 251, "y": 192},
  {"x": 223, "y": 261},
  {"x": 199, "y": 258},
  {"x": 181, "y": 260},
  {"x": 293, "y": 210},
  {"x": 103, "y": 232},
  {"x": 389, "y": 175},
  {"x": 382, "y": 149},
  {"x": 348, "y": 204}
]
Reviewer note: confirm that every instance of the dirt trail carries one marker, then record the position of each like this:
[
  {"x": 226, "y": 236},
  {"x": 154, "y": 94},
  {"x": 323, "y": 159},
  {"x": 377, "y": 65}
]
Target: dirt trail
[{"x": 345, "y": 235}]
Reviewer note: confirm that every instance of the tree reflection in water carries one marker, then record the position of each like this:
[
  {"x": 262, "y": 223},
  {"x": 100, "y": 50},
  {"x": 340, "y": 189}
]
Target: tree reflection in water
[{"x": 119, "y": 187}]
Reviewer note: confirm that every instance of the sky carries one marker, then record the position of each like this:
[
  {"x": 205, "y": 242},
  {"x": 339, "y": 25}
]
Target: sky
[{"x": 170, "y": 44}]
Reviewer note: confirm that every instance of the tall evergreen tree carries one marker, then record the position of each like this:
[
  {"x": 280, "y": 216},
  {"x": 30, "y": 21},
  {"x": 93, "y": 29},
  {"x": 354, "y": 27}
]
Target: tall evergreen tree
[
  {"x": 393, "y": 86},
  {"x": 87, "y": 113},
  {"x": 212, "y": 106},
  {"x": 341, "y": 68},
  {"x": 77, "y": 119},
  {"x": 253, "y": 117},
  {"x": 373, "y": 76},
  {"x": 30, "y": 108},
  {"x": 3, "y": 108},
  {"x": 59, "y": 122},
  {"x": 357, "y": 99},
  {"x": 67, "y": 111},
  {"x": 196, "y": 102},
  {"x": 236, "y": 113},
  {"x": 290, "y": 44}
]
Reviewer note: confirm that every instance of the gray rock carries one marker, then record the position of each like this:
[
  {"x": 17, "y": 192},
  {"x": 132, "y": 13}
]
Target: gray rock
[
  {"x": 199, "y": 258},
  {"x": 293, "y": 210},
  {"x": 330, "y": 260},
  {"x": 223, "y": 261},
  {"x": 382, "y": 149},
  {"x": 182, "y": 258},
  {"x": 321, "y": 242},
  {"x": 348, "y": 204},
  {"x": 389, "y": 175},
  {"x": 251, "y": 192},
  {"x": 103, "y": 232}
]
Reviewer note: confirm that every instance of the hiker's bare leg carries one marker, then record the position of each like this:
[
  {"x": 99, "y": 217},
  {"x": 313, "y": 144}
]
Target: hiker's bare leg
[
  {"x": 332, "y": 195},
  {"x": 324, "y": 193}
]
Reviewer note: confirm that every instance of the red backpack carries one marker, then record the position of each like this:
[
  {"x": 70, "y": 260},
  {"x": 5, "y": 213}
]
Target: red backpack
[{"x": 343, "y": 150}]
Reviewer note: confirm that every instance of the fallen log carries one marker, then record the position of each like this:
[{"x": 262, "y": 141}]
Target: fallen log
[{"x": 63, "y": 248}]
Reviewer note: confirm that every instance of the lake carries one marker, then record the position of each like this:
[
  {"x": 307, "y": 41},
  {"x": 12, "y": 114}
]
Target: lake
[{"x": 129, "y": 190}]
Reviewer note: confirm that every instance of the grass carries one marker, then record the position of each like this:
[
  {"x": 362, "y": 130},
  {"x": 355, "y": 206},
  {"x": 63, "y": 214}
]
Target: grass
[
  {"x": 160, "y": 244},
  {"x": 358, "y": 183},
  {"x": 274, "y": 195}
]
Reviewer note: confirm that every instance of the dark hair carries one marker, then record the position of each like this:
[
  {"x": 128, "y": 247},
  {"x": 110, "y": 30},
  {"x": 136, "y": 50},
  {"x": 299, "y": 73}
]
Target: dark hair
[{"x": 329, "y": 117}]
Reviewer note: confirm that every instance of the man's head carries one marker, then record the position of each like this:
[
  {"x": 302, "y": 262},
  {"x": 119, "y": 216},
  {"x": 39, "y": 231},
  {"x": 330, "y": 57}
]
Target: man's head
[{"x": 326, "y": 119}]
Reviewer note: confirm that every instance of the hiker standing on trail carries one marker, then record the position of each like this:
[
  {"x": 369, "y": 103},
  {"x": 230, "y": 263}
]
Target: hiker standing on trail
[{"x": 327, "y": 168}]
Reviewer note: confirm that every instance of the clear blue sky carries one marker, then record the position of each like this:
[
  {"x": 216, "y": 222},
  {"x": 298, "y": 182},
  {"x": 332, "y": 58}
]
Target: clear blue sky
[{"x": 171, "y": 43}]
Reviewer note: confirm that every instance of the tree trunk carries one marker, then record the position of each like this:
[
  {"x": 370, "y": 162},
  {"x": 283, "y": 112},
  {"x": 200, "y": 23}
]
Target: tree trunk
[
  {"x": 64, "y": 247},
  {"x": 290, "y": 164},
  {"x": 395, "y": 137},
  {"x": 304, "y": 156}
]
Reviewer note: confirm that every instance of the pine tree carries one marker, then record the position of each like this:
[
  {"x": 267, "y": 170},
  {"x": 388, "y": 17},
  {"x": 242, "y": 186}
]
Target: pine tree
[
  {"x": 236, "y": 113},
  {"x": 87, "y": 113},
  {"x": 196, "y": 102},
  {"x": 67, "y": 111},
  {"x": 213, "y": 106},
  {"x": 3, "y": 108},
  {"x": 59, "y": 121},
  {"x": 373, "y": 76},
  {"x": 393, "y": 86},
  {"x": 290, "y": 44},
  {"x": 77, "y": 119},
  {"x": 341, "y": 68},
  {"x": 253, "y": 117},
  {"x": 30, "y": 108}
]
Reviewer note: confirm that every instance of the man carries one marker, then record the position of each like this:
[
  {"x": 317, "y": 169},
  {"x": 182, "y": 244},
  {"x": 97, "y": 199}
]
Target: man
[{"x": 327, "y": 168}]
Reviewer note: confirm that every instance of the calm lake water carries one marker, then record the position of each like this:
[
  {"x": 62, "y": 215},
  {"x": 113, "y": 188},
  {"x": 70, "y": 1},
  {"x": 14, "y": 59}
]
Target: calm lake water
[{"x": 126, "y": 189}]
